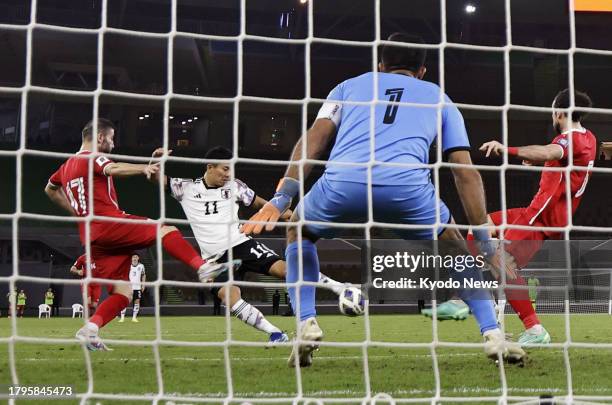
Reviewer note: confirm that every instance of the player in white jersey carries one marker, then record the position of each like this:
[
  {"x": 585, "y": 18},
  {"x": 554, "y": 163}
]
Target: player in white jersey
[
  {"x": 137, "y": 278},
  {"x": 211, "y": 205}
]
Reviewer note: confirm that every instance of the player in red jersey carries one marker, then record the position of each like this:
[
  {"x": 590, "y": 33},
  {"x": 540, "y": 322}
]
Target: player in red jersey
[
  {"x": 549, "y": 206},
  {"x": 113, "y": 242},
  {"x": 93, "y": 290}
]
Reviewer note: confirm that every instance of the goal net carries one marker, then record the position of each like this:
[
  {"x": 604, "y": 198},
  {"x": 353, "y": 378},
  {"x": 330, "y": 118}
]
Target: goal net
[{"x": 375, "y": 358}]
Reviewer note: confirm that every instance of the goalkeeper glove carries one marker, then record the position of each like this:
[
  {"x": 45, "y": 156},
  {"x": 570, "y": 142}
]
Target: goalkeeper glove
[{"x": 287, "y": 188}]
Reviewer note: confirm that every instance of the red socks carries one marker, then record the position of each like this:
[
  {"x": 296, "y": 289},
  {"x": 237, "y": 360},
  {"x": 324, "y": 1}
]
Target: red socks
[
  {"x": 520, "y": 302},
  {"x": 180, "y": 249},
  {"x": 109, "y": 309}
]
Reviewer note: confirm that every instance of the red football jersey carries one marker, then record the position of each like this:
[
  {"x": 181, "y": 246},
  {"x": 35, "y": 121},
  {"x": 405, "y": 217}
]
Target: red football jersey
[
  {"x": 80, "y": 262},
  {"x": 549, "y": 206},
  {"x": 73, "y": 177}
]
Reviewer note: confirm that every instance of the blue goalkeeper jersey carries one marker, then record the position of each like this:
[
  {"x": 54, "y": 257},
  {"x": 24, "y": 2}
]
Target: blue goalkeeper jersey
[{"x": 402, "y": 134}]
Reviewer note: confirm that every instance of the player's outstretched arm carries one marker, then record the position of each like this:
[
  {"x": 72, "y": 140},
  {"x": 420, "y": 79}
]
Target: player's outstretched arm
[
  {"x": 316, "y": 139},
  {"x": 130, "y": 169},
  {"x": 56, "y": 194},
  {"x": 531, "y": 153}
]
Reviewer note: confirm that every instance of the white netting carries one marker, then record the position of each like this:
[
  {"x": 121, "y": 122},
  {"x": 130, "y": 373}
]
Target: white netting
[{"x": 504, "y": 394}]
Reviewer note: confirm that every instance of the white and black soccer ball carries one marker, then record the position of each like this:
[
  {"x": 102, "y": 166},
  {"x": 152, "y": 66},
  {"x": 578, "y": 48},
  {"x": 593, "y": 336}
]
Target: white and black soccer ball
[{"x": 351, "y": 301}]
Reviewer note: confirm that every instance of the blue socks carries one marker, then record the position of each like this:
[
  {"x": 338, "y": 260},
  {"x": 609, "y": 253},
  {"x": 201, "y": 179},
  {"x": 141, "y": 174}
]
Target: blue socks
[
  {"x": 310, "y": 261},
  {"x": 480, "y": 301}
]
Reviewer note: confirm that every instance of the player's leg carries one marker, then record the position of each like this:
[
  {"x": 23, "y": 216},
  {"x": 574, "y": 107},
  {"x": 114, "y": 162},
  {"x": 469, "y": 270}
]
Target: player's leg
[
  {"x": 139, "y": 236},
  {"x": 480, "y": 303},
  {"x": 303, "y": 302},
  {"x": 112, "y": 268},
  {"x": 417, "y": 205},
  {"x": 524, "y": 245},
  {"x": 455, "y": 308},
  {"x": 325, "y": 202},
  {"x": 124, "y": 311},
  {"x": 255, "y": 257},
  {"x": 94, "y": 293},
  {"x": 230, "y": 296},
  {"x": 136, "y": 297},
  {"x": 279, "y": 270}
]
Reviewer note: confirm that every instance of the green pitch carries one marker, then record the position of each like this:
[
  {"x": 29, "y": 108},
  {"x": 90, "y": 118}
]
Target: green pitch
[{"x": 337, "y": 371}]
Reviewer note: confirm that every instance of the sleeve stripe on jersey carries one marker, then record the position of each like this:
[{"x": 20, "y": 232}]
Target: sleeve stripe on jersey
[{"x": 455, "y": 149}]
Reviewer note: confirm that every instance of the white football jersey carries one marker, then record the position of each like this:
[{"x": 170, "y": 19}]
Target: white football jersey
[
  {"x": 213, "y": 212},
  {"x": 136, "y": 273}
]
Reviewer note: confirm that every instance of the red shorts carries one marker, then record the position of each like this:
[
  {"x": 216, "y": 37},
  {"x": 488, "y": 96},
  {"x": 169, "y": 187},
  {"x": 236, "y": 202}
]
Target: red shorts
[
  {"x": 524, "y": 243},
  {"x": 111, "y": 267},
  {"x": 121, "y": 237},
  {"x": 94, "y": 291}
]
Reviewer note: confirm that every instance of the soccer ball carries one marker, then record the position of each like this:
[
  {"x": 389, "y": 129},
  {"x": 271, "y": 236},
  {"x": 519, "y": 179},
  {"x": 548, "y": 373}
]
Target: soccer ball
[{"x": 351, "y": 302}]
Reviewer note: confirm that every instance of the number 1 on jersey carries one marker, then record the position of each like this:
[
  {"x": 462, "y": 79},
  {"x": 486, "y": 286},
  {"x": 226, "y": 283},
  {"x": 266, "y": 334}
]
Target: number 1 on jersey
[{"x": 395, "y": 95}]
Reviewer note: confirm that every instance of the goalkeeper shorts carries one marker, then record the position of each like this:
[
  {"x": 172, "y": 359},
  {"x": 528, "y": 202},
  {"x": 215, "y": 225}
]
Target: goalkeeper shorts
[{"x": 347, "y": 202}]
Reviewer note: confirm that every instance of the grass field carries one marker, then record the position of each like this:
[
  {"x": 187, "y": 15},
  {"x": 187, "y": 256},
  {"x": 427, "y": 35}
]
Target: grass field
[{"x": 338, "y": 372}]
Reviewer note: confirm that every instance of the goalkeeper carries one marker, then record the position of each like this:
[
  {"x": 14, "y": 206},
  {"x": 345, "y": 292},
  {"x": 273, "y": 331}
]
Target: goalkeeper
[{"x": 400, "y": 194}]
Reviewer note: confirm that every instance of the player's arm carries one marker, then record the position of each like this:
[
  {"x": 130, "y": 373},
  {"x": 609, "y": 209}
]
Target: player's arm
[
  {"x": 122, "y": 169},
  {"x": 143, "y": 279},
  {"x": 469, "y": 187},
  {"x": 58, "y": 197},
  {"x": 456, "y": 148},
  {"x": 76, "y": 271},
  {"x": 531, "y": 153},
  {"x": 315, "y": 142}
]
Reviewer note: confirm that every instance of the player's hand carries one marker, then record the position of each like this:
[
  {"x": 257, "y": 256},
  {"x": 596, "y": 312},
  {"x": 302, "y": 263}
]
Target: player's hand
[
  {"x": 159, "y": 152},
  {"x": 151, "y": 170},
  {"x": 286, "y": 215},
  {"x": 271, "y": 212},
  {"x": 503, "y": 261},
  {"x": 492, "y": 147},
  {"x": 527, "y": 163},
  {"x": 80, "y": 273},
  {"x": 268, "y": 214}
]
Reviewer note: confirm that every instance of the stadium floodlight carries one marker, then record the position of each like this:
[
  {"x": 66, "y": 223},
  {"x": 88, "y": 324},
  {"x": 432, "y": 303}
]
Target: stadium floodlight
[{"x": 470, "y": 8}]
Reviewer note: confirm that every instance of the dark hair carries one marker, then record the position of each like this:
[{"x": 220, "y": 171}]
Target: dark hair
[
  {"x": 562, "y": 100},
  {"x": 218, "y": 153},
  {"x": 103, "y": 125},
  {"x": 402, "y": 57}
]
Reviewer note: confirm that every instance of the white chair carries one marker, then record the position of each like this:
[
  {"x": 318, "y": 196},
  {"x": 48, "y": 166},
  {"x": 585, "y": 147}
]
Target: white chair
[
  {"x": 44, "y": 309},
  {"x": 77, "y": 309}
]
